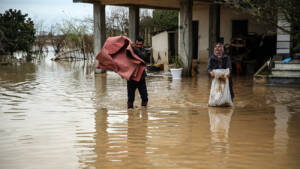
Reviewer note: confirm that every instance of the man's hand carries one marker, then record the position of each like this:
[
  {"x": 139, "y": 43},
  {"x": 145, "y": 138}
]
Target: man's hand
[{"x": 228, "y": 76}]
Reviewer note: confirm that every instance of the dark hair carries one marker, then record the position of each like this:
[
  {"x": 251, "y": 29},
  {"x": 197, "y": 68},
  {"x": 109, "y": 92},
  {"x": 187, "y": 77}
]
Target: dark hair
[{"x": 140, "y": 39}]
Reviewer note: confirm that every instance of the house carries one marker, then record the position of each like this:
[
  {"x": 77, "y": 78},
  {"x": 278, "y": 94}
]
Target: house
[
  {"x": 164, "y": 47},
  {"x": 201, "y": 24}
]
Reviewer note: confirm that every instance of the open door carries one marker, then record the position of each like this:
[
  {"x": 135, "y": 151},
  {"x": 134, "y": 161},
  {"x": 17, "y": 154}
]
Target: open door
[{"x": 239, "y": 28}]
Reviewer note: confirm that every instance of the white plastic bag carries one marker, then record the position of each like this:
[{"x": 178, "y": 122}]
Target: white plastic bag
[{"x": 219, "y": 90}]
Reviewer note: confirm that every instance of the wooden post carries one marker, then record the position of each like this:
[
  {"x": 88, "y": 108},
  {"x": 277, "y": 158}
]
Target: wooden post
[
  {"x": 99, "y": 30},
  {"x": 133, "y": 22},
  {"x": 214, "y": 26},
  {"x": 185, "y": 35}
]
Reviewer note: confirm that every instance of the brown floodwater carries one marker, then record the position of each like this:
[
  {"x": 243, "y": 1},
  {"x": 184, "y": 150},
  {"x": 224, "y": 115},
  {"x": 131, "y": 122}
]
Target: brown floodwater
[{"x": 59, "y": 115}]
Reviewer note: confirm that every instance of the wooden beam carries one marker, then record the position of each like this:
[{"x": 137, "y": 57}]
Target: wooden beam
[{"x": 152, "y": 4}]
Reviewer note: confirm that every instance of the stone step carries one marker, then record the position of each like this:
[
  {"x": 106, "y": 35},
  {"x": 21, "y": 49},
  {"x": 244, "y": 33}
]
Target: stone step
[
  {"x": 294, "y": 64},
  {"x": 284, "y": 79},
  {"x": 284, "y": 76},
  {"x": 286, "y": 72},
  {"x": 291, "y": 62},
  {"x": 286, "y": 69}
]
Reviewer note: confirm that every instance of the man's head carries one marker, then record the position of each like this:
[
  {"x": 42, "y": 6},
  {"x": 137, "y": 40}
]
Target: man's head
[{"x": 139, "y": 42}]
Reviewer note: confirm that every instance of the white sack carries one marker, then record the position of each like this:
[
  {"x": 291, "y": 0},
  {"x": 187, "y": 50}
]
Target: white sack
[{"x": 219, "y": 90}]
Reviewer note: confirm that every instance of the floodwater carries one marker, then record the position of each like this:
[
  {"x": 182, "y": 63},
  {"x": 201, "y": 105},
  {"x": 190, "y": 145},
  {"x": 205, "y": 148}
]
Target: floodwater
[{"x": 59, "y": 115}]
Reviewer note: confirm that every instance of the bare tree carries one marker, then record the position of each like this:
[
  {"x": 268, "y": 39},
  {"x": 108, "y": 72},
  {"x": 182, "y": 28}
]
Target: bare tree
[
  {"x": 57, "y": 38},
  {"x": 117, "y": 21},
  {"x": 41, "y": 35}
]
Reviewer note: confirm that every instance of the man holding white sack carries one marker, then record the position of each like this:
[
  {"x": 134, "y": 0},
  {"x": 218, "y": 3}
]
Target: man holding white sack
[{"x": 219, "y": 60}]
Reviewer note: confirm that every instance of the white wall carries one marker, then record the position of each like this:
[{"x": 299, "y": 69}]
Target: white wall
[
  {"x": 160, "y": 47},
  {"x": 228, "y": 15},
  {"x": 201, "y": 13}
]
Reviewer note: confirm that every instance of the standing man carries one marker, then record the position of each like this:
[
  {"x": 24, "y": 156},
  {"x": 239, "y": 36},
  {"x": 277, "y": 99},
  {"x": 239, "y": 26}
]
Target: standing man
[{"x": 141, "y": 85}]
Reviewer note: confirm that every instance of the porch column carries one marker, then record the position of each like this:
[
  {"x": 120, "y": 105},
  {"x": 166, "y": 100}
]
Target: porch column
[
  {"x": 283, "y": 38},
  {"x": 185, "y": 35},
  {"x": 99, "y": 30},
  {"x": 133, "y": 22},
  {"x": 214, "y": 26}
]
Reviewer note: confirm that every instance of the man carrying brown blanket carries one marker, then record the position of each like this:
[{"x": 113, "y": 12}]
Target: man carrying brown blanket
[{"x": 120, "y": 56}]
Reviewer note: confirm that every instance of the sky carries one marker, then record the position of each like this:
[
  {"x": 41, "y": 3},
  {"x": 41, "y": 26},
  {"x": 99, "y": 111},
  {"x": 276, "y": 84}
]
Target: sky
[{"x": 49, "y": 11}]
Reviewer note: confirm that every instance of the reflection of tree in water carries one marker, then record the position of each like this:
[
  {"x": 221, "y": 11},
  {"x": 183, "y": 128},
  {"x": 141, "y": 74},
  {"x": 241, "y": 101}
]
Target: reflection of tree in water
[
  {"x": 18, "y": 73},
  {"x": 219, "y": 119},
  {"x": 18, "y": 83}
]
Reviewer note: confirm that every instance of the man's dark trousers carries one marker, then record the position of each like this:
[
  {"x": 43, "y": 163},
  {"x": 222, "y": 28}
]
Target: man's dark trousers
[{"x": 141, "y": 85}]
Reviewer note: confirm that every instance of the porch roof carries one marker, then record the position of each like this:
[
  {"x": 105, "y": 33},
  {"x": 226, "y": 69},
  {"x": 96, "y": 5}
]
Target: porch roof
[{"x": 163, "y": 4}]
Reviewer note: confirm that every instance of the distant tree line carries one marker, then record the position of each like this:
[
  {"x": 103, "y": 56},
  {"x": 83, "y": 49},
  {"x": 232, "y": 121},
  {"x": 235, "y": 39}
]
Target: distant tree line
[{"x": 19, "y": 33}]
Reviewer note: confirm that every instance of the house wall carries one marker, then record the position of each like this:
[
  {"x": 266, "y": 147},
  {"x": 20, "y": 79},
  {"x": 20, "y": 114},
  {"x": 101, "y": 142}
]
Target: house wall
[
  {"x": 201, "y": 13},
  {"x": 227, "y": 15},
  {"x": 160, "y": 48}
]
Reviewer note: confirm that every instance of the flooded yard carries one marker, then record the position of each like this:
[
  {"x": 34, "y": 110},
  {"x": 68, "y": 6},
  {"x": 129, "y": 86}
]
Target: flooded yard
[{"x": 60, "y": 115}]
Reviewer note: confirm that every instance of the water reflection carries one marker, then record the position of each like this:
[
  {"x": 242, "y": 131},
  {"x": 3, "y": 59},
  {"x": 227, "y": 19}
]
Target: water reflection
[
  {"x": 121, "y": 138},
  {"x": 281, "y": 137},
  {"x": 219, "y": 120},
  {"x": 61, "y": 115}
]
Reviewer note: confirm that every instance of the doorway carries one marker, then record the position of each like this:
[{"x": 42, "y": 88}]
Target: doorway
[{"x": 195, "y": 39}]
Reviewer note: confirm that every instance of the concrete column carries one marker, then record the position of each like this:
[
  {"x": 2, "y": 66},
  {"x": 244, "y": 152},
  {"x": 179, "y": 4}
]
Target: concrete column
[
  {"x": 99, "y": 30},
  {"x": 133, "y": 22},
  {"x": 283, "y": 38},
  {"x": 185, "y": 35},
  {"x": 214, "y": 26}
]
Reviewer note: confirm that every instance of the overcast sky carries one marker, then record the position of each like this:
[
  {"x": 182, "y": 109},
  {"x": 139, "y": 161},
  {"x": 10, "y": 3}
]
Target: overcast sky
[{"x": 50, "y": 11}]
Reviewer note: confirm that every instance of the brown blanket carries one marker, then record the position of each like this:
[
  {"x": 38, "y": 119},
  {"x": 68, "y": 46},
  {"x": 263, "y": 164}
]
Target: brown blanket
[{"x": 117, "y": 55}]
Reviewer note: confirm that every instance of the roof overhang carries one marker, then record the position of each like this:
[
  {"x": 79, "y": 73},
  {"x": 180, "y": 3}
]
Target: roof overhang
[{"x": 162, "y": 4}]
